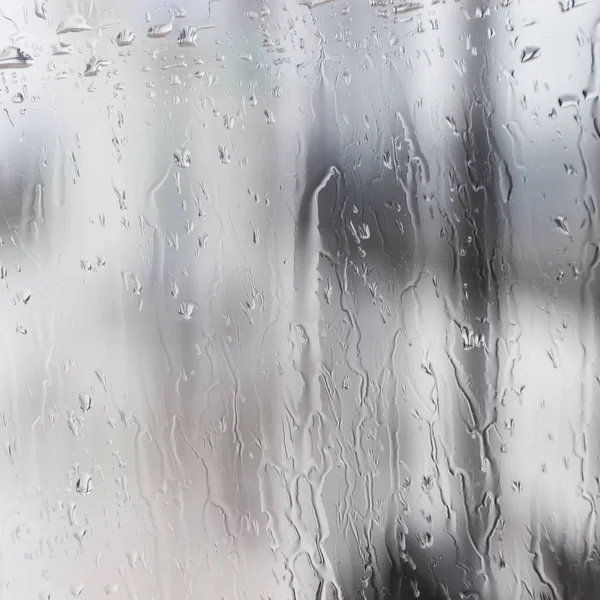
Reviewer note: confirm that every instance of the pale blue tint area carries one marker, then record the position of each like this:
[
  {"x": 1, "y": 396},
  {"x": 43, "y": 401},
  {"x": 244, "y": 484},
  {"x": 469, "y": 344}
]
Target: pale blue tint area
[{"x": 299, "y": 300}]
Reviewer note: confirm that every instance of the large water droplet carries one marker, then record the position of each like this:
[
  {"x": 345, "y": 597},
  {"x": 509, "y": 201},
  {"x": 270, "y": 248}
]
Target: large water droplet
[{"x": 125, "y": 37}]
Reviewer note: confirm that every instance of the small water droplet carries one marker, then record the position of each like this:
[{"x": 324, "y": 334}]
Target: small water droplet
[
  {"x": 94, "y": 67},
  {"x": 563, "y": 227},
  {"x": 40, "y": 10},
  {"x": 111, "y": 588},
  {"x": 24, "y": 297},
  {"x": 269, "y": 117},
  {"x": 84, "y": 484},
  {"x": 530, "y": 53},
  {"x": 567, "y": 5},
  {"x": 224, "y": 155},
  {"x": 186, "y": 310},
  {"x": 85, "y": 401},
  {"x": 73, "y": 24},
  {"x": 405, "y": 7},
  {"x": 79, "y": 534},
  {"x": 187, "y": 37},
  {"x": 182, "y": 158},
  {"x": 62, "y": 48},
  {"x": 77, "y": 589},
  {"x": 575, "y": 269}
]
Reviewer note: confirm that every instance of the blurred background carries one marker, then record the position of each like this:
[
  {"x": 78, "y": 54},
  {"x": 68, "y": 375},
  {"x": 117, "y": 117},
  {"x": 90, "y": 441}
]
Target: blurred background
[{"x": 299, "y": 299}]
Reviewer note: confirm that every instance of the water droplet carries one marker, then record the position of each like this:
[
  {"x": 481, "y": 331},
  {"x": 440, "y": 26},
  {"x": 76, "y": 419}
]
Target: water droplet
[
  {"x": 94, "y": 67},
  {"x": 62, "y": 48},
  {"x": 73, "y": 24},
  {"x": 427, "y": 484},
  {"x": 228, "y": 121},
  {"x": 132, "y": 282},
  {"x": 182, "y": 158},
  {"x": 85, "y": 401},
  {"x": 567, "y": 5},
  {"x": 568, "y": 100},
  {"x": 269, "y": 117},
  {"x": 79, "y": 534},
  {"x": 425, "y": 540},
  {"x": 125, "y": 37},
  {"x": 563, "y": 227},
  {"x": 405, "y": 7},
  {"x": 530, "y": 53},
  {"x": 12, "y": 57},
  {"x": 186, "y": 310},
  {"x": 77, "y": 589},
  {"x": 224, "y": 155},
  {"x": 40, "y": 10},
  {"x": 471, "y": 339},
  {"x": 84, "y": 484},
  {"x": 575, "y": 269},
  {"x": 187, "y": 37},
  {"x": 160, "y": 31},
  {"x": 111, "y": 588}
]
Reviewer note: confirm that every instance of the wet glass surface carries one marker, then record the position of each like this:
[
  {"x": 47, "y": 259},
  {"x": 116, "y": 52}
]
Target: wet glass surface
[{"x": 299, "y": 300}]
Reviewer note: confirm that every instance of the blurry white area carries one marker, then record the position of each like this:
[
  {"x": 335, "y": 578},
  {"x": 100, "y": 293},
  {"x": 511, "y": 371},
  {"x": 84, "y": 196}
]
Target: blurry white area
[{"x": 299, "y": 299}]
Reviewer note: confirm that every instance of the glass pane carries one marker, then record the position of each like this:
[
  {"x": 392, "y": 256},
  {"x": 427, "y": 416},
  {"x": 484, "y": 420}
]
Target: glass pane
[{"x": 299, "y": 299}]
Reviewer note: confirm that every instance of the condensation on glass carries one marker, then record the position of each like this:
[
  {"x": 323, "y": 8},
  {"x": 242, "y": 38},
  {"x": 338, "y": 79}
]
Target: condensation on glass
[{"x": 299, "y": 299}]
